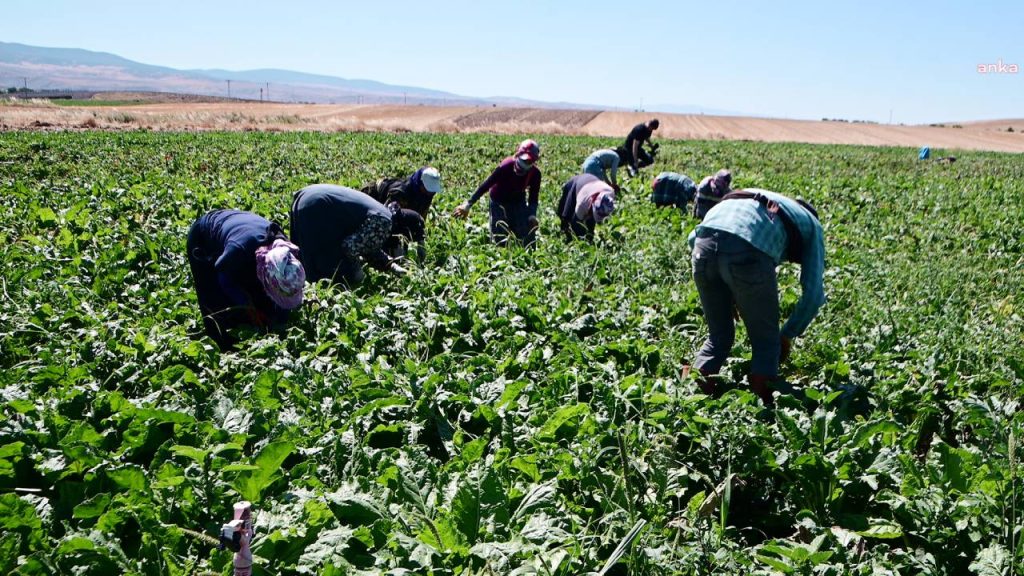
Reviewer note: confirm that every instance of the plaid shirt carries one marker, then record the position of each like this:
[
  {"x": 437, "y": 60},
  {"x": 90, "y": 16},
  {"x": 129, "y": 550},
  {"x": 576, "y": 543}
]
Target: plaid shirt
[
  {"x": 672, "y": 188},
  {"x": 749, "y": 220}
]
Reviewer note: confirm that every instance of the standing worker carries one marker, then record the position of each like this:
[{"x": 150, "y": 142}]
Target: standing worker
[
  {"x": 735, "y": 251},
  {"x": 603, "y": 164},
  {"x": 511, "y": 209},
  {"x": 633, "y": 151},
  {"x": 245, "y": 272},
  {"x": 338, "y": 228}
]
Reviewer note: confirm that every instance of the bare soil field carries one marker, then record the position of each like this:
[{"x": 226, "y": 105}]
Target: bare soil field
[{"x": 248, "y": 116}]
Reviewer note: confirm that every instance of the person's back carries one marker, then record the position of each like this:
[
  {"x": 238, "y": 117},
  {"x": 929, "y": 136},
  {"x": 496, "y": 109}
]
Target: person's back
[
  {"x": 672, "y": 189},
  {"x": 322, "y": 216}
]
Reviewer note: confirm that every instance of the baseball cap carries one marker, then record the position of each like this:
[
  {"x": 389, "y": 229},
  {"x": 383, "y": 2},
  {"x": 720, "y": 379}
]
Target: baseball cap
[{"x": 431, "y": 179}]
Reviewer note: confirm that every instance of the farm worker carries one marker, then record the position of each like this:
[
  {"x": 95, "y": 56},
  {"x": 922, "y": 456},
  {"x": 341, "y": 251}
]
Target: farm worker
[
  {"x": 586, "y": 201},
  {"x": 635, "y": 155},
  {"x": 512, "y": 210},
  {"x": 672, "y": 189},
  {"x": 735, "y": 251},
  {"x": 413, "y": 193},
  {"x": 245, "y": 272},
  {"x": 338, "y": 228},
  {"x": 710, "y": 191},
  {"x": 603, "y": 164}
]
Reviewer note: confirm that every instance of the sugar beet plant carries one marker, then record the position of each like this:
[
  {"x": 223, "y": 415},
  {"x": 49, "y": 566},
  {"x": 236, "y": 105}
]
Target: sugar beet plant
[{"x": 502, "y": 411}]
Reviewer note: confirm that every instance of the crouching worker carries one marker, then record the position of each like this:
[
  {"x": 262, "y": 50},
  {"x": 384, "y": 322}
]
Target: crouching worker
[
  {"x": 339, "y": 228},
  {"x": 672, "y": 189},
  {"x": 245, "y": 271},
  {"x": 413, "y": 193},
  {"x": 586, "y": 202},
  {"x": 604, "y": 164},
  {"x": 512, "y": 211},
  {"x": 735, "y": 251}
]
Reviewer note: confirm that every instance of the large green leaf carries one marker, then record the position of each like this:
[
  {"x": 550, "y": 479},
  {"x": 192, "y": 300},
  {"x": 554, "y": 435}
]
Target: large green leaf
[{"x": 251, "y": 483}]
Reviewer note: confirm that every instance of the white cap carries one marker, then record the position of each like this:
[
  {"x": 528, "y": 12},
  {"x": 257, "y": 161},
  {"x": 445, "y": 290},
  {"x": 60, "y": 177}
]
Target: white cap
[{"x": 431, "y": 179}]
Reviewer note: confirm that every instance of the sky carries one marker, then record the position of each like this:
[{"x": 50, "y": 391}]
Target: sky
[{"x": 875, "y": 60}]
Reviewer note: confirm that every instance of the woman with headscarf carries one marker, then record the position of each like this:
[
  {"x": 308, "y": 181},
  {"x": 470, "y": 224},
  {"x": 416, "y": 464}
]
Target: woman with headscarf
[
  {"x": 246, "y": 272},
  {"x": 586, "y": 202},
  {"x": 511, "y": 209},
  {"x": 338, "y": 228}
]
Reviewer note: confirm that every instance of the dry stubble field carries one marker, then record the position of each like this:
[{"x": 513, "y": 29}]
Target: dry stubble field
[{"x": 249, "y": 116}]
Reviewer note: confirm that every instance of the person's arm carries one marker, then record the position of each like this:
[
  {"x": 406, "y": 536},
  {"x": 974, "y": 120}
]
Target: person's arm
[
  {"x": 612, "y": 170},
  {"x": 462, "y": 210},
  {"x": 812, "y": 285},
  {"x": 636, "y": 152},
  {"x": 485, "y": 186}
]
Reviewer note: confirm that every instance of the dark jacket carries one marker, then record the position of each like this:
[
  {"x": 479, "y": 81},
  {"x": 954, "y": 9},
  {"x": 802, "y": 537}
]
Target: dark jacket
[
  {"x": 322, "y": 216},
  {"x": 407, "y": 192},
  {"x": 221, "y": 249}
]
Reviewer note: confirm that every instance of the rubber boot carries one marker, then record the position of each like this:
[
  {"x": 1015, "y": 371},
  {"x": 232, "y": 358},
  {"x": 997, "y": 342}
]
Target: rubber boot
[{"x": 759, "y": 385}]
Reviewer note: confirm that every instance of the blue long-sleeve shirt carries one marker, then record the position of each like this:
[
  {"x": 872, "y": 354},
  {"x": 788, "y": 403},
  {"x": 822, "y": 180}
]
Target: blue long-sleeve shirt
[{"x": 749, "y": 220}]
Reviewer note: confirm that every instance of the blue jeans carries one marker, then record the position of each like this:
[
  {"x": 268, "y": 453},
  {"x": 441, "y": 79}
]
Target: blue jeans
[
  {"x": 729, "y": 271},
  {"x": 514, "y": 219}
]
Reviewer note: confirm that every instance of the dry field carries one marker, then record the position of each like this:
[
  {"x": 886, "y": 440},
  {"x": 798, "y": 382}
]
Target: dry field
[{"x": 29, "y": 115}]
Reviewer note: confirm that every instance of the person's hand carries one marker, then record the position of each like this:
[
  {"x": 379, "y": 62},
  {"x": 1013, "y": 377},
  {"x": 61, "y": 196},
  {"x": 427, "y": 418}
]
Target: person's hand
[
  {"x": 397, "y": 270},
  {"x": 615, "y": 188},
  {"x": 785, "y": 349},
  {"x": 462, "y": 210}
]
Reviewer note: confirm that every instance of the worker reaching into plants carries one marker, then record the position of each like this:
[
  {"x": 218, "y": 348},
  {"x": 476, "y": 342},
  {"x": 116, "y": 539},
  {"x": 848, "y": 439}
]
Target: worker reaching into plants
[
  {"x": 604, "y": 164},
  {"x": 245, "y": 271},
  {"x": 512, "y": 210},
  {"x": 586, "y": 202},
  {"x": 413, "y": 193},
  {"x": 710, "y": 191},
  {"x": 735, "y": 251},
  {"x": 338, "y": 228},
  {"x": 672, "y": 189},
  {"x": 633, "y": 152}
]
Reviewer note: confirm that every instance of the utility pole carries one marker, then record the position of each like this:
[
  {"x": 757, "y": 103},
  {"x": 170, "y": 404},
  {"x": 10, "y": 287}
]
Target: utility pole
[
  {"x": 268, "y": 91},
  {"x": 229, "y": 88},
  {"x": 261, "y": 94},
  {"x": 405, "y": 99}
]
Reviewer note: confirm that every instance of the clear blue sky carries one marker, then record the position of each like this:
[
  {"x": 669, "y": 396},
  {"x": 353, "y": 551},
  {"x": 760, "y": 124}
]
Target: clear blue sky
[{"x": 801, "y": 59}]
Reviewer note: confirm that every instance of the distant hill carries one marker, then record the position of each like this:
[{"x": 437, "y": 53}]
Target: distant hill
[
  {"x": 77, "y": 69},
  {"x": 85, "y": 70}
]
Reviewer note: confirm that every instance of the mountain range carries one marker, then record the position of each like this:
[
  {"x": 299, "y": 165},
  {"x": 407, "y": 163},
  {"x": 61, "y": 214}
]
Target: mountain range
[{"x": 41, "y": 68}]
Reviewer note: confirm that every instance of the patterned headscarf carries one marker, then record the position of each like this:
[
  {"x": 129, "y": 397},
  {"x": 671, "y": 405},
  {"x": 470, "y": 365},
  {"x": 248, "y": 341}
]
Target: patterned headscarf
[
  {"x": 281, "y": 274},
  {"x": 595, "y": 199},
  {"x": 604, "y": 205}
]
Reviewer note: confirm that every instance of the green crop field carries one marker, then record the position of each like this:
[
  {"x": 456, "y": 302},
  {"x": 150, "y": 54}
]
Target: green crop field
[{"x": 502, "y": 411}]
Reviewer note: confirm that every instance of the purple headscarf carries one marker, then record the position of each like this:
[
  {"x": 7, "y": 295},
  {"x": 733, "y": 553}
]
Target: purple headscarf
[{"x": 281, "y": 274}]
